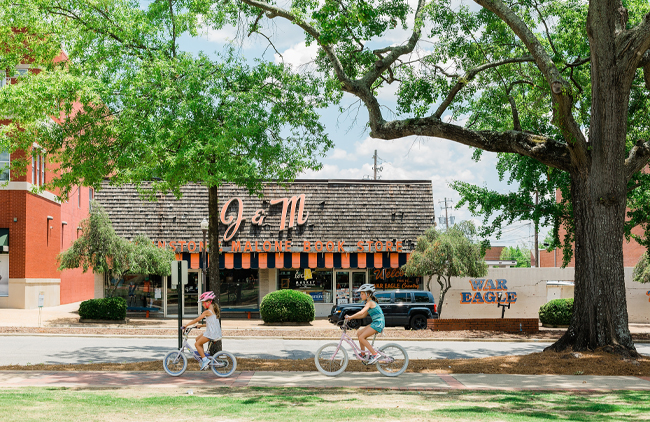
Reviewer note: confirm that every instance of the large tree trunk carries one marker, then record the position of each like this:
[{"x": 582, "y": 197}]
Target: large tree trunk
[
  {"x": 598, "y": 195},
  {"x": 213, "y": 250}
]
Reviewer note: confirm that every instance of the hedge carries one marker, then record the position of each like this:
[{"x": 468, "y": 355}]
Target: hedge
[
  {"x": 287, "y": 306},
  {"x": 557, "y": 312},
  {"x": 111, "y": 308}
]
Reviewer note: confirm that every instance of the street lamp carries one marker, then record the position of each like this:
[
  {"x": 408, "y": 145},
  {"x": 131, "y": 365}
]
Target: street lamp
[{"x": 204, "y": 229}]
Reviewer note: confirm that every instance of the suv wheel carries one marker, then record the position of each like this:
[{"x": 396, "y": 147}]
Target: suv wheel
[
  {"x": 354, "y": 323},
  {"x": 418, "y": 322}
]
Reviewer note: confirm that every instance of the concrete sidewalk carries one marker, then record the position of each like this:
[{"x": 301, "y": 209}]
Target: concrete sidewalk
[
  {"x": 365, "y": 381},
  {"x": 66, "y": 315}
]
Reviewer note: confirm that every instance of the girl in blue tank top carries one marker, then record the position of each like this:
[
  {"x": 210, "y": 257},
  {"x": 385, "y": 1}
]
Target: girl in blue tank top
[{"x": 376, "y": 326}]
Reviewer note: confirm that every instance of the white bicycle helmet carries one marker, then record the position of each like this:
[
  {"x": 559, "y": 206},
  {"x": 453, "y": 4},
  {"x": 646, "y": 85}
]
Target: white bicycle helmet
[{"x": 366, "y": 288}]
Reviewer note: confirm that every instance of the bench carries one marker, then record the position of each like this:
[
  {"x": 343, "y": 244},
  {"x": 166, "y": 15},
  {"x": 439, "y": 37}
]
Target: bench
[
  {"x": 249, "y": 311},
  {"x": 142, "y": 309}
]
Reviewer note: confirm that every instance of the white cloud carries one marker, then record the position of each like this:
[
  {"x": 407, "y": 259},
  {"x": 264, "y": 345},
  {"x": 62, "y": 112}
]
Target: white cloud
[
  {"x": 224, "y": 35},
  {"x": 341, "y": 154},
  {"x": 298, "y": 54}
]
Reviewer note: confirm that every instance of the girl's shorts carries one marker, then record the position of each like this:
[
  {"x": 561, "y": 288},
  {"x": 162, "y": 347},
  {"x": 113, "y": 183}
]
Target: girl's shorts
[{"x": 378, "y": 326}]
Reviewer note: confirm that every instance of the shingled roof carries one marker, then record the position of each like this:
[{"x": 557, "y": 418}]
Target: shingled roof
[{"x": 338, "y": 210}]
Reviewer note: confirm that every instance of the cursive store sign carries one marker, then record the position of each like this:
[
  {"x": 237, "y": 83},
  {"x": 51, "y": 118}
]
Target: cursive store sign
[{"x": 296, "y": 202}]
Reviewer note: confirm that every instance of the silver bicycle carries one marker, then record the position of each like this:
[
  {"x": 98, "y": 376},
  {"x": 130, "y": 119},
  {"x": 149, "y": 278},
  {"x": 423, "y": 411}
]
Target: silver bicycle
[
  {"x": 223, "y": 363},
  {"x": 332, "y": 359}
]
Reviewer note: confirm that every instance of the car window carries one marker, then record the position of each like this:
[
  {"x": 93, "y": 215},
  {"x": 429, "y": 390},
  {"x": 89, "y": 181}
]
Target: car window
[
  {"x": 402, "y": 297},
  {"x": 421, "y": 297},
  {"x": 383, "y": 297}
]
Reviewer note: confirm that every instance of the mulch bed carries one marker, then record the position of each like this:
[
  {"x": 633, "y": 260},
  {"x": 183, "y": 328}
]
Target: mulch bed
[{"x": 545, "y": 363}]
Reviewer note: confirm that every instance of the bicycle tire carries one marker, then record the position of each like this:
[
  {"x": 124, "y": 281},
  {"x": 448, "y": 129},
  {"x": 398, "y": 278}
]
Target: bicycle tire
[
  {"x": 223, "y": 364},
  {"x": 398, "y": 363},
  {"x": 329, "y": 361},
  {"x": 172, "y": 361}
]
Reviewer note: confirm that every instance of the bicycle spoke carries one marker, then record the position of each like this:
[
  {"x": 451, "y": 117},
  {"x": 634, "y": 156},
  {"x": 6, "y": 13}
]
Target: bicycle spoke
[
  {"x": 331, "y": 360},
  {"x": 394, "y": 360}
]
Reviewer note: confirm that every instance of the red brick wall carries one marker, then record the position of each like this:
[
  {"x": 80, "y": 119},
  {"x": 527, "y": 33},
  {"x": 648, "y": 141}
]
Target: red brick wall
[
  {"x": 43, "y": 237},
  {"x": 12, "y": 204},
  {"x": 75, "y": 285},
  {"x": 509, "y": 325}
]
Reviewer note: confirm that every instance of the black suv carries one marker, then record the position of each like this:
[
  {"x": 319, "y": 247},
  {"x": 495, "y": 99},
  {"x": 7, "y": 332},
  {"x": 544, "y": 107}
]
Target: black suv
[{"x": 401, "y": 308}]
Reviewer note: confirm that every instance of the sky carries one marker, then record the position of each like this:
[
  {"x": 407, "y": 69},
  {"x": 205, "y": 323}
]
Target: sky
[{"x": 410, "y": 158}]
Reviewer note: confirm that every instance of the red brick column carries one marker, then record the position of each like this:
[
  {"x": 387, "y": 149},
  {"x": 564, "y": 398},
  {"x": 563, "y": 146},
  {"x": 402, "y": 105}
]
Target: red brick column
[{"x": 509, "y": 325}]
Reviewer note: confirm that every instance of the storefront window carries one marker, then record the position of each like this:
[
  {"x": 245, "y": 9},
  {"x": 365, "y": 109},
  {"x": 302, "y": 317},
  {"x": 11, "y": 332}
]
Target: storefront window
[
  {"x": 316, "y": 283},
  {"x": 240, "y": 289},
  {"x": 138, "y": 290},
  {"x": 393, "y": 278}
]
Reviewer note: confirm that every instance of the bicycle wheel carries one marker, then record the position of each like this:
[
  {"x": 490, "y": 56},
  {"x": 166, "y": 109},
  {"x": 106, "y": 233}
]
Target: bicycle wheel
[
  {"x": 175, "y": 363},
  {"x": 331, "y": 361},
  {"x": 223, "y": 364},
  {"x": 395, "y": 360}
]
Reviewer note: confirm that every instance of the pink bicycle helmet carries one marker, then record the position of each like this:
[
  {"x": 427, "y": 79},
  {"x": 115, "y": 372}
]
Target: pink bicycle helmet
[{"x": 206, "y": 296}]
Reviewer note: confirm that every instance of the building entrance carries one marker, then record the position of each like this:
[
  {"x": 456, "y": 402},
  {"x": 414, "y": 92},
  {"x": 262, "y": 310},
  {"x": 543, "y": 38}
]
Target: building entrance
[
  {"x": 190, "y": 296},
  {"x": 347, "y": 281}
]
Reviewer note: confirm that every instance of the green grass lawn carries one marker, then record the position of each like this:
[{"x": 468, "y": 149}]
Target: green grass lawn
[{"x": 294, "y": 404}]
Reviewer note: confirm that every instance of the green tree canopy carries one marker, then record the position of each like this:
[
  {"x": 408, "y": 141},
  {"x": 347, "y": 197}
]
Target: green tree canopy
[
  {"x": 519, "y": 254},
  {"x": 446, "y": 254},
  {"x": 101, "y": 249},
  {"x": 130, "y": 104}
]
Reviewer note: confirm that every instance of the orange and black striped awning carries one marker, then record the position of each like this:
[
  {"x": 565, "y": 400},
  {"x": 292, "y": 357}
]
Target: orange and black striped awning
[{"x": 301, "y": 260}]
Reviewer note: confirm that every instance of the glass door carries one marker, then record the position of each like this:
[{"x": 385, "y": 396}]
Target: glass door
[
  {"x": 342, "y": 287},
  {"x": 346, "y": 283},
  {"x": 191, "y": 293},
  {"x": 358, "y": 278}
]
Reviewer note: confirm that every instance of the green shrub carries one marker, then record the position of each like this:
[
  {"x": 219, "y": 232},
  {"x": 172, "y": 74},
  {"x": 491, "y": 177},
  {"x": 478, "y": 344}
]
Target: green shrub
[
  {"x": 557, "y": 312},
  {"x": 112, "y": 308},
  {"x": 287, "y": 306}
]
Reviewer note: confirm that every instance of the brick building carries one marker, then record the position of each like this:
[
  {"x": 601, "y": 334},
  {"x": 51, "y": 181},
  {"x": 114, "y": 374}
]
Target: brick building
[
  {"x": 34, "y": 229},
  {"x": 632, "y": 252}
]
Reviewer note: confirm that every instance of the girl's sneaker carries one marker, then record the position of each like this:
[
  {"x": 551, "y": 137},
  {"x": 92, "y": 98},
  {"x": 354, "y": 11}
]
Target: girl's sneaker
[
  {"x": 204, "y": 363},
  {"x": 374, "y": 359}
]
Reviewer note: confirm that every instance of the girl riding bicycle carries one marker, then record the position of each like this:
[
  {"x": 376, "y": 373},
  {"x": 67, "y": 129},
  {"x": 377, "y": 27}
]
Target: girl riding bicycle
[
  {"x": 366, "y": 292},
  {"x": 213, "y": 331}
]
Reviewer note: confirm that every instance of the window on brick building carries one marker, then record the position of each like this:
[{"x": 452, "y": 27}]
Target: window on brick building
[
  {"x": 4, "y": 166},
  {"x": 90, "y": 198},
  {"x": 38, "y": 170}
]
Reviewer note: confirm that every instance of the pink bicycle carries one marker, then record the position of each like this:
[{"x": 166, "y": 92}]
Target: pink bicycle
[{"x": 332, "y": 359}]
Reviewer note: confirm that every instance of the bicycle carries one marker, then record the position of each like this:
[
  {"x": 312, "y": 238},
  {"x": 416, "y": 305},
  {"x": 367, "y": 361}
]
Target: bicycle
[
  {"x": 331, "y": 359},
  {"x": 223, "y": 363}
]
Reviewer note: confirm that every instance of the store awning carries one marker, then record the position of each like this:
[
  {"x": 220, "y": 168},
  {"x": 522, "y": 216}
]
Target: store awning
[
  {"x": 301, "y": 260},
  {"x": 4, "y": 240}
]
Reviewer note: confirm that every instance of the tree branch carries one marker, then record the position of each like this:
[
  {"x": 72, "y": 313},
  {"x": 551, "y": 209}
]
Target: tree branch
[
  {"x": 471, "y": 74},
  {"x": 560, "y": 89},
  {"x": 546, "y": 150},
  {"x": 638, "y": 158},
  {"x": 516, "y": 123},
  {"x": 632, "y": 45}
]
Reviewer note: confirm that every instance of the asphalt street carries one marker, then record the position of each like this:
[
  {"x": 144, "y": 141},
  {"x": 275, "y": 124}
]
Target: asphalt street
[{"x": 25, "y": 350}]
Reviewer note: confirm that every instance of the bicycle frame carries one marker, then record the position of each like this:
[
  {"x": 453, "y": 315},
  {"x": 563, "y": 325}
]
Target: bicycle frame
[
  {"x": 356, "y": 349},
  {"x": 190, "y": 350}
]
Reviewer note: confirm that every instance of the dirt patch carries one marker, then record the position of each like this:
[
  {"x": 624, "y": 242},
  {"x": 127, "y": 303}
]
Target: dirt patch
[{"x": 545, "y": 363}]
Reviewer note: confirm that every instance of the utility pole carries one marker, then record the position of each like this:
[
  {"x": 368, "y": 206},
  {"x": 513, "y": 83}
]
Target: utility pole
[
  {"x": 446, "y": 206},
  {"x": 375, "y": 168},
  {"x": 536, "y": 233}
]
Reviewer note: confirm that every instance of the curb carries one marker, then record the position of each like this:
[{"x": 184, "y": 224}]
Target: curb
[{"x": 464, "y": 340}]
